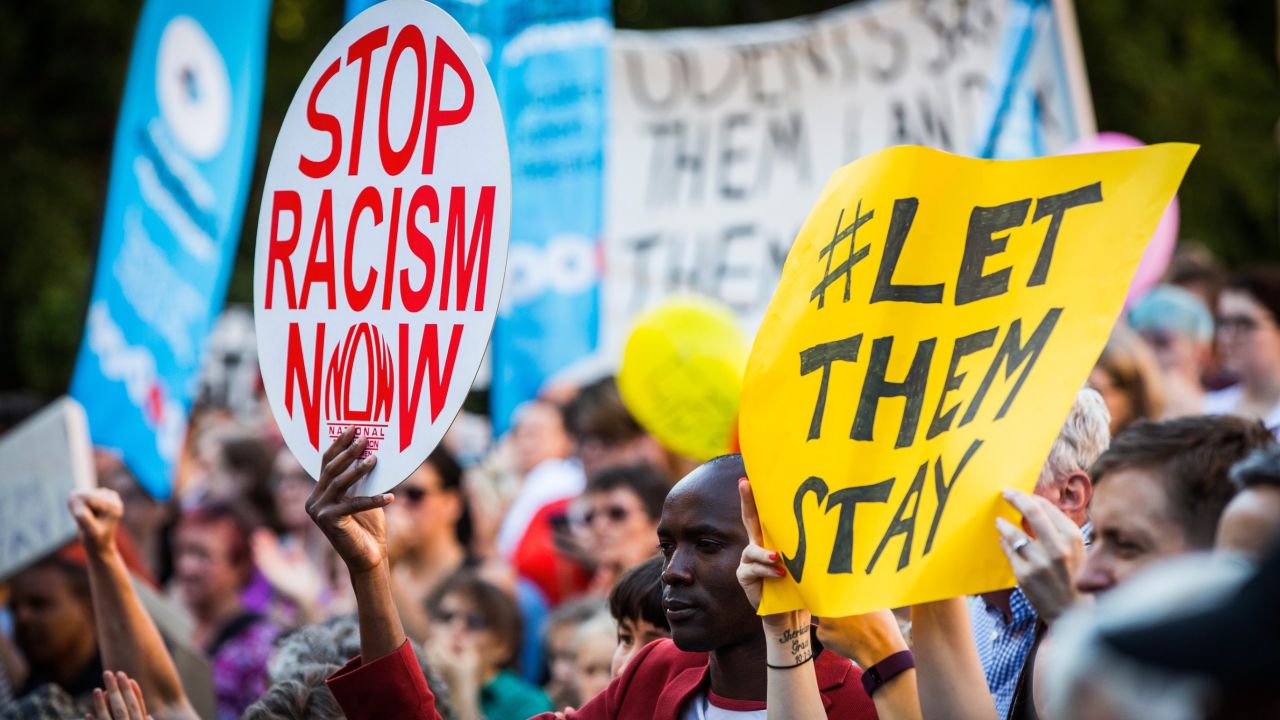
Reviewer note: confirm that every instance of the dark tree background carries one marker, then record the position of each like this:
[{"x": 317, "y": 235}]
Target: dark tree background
[{"x": 1203, "y": 71}]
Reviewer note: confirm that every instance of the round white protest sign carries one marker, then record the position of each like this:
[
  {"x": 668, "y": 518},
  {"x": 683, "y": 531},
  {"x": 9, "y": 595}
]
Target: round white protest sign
[{"x": 382, "y": 239}]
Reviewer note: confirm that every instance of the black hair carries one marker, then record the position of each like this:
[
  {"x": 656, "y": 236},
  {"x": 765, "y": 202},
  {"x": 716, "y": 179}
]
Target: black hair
[
  {"x": 1192, "y": 457},
  {"x": 450, "y": 472},
  {"x": 638, "y": 594},
  {"x": 497, "y": 608},
  {"x": 598, "y": 413},
  {"x": 647, "y": 482},
  {"x": 1262, "y": 284}
]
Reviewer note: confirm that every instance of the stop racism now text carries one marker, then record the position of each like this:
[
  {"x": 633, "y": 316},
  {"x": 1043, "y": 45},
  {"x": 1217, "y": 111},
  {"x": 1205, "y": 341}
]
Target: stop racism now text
[{"x": 402, "y": 213}]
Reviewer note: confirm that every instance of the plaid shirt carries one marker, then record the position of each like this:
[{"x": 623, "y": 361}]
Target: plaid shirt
[{"x": 1003, "y": 646}]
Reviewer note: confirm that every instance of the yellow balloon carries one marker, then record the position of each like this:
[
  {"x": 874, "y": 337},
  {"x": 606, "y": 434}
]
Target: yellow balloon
[{"x": 681, "y": 375}]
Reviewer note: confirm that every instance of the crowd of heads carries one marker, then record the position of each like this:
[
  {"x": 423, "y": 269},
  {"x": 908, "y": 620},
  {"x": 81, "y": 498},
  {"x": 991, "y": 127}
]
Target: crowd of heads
[
  {"x": 532, "y": 574},
  {"x": 529, "y": 577}
]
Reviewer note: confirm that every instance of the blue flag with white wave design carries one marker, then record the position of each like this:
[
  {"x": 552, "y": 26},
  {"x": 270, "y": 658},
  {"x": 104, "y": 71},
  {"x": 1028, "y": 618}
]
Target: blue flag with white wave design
[{"x": 181, "y": 164}]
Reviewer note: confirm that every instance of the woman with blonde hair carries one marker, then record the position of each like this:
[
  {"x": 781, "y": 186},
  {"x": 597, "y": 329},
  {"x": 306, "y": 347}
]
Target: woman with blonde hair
[{"x": 1128, "y": 378}]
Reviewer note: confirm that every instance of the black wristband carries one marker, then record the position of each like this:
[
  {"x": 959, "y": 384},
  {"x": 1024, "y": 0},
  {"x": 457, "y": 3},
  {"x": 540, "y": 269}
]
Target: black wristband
[
  {"x": 874, "y": 677},
  {"x": 789, "y": 667}
]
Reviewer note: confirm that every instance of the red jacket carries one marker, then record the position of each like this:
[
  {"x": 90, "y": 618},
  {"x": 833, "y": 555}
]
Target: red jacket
[{"x": 656, "y": 685}]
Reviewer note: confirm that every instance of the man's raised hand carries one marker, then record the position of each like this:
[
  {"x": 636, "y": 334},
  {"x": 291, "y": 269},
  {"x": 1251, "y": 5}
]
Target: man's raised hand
[
  {"x": 1046, "y": 560},
  {"x": 355, "y": 526}
]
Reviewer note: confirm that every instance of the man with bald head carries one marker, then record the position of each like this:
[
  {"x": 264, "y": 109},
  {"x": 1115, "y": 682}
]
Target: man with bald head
[{"x": 712, "y": 668}]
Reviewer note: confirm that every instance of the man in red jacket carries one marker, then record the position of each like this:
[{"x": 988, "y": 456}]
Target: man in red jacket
[{"x": 713, "y": 668}]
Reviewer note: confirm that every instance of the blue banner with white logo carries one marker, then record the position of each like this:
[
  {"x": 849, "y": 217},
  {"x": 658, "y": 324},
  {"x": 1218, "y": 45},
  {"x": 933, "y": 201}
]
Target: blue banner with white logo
[
  {"x": 552, "y": 69},
  {"x": 550, "y": 65},
  {"x": 181, "y": 164}
]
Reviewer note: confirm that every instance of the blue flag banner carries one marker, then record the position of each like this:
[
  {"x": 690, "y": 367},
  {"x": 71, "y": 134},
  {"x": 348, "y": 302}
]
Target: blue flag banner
[
  {"x": 552, "y": 69},
  {"x": 549, "y": 60},
  {"x": 182, "y": 159}
]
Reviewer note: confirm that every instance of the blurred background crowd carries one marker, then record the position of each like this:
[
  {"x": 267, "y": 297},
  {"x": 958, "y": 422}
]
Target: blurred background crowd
[
  {"x": 506, "y": 553},
  {"x": 524, "y": 563}
]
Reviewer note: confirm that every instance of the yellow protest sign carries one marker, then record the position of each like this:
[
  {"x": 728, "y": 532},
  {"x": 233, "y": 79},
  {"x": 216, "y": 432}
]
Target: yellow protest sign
[
  {"x": 935, "y": 318},
  {"x": 681, "y": 375}
]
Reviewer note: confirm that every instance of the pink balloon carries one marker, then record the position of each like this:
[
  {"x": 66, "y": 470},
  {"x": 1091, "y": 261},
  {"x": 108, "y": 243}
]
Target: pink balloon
[{"x": 1160, "y": 248}]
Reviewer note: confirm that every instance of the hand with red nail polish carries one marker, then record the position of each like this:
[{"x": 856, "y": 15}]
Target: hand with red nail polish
[{"x": 759, "y": 566}]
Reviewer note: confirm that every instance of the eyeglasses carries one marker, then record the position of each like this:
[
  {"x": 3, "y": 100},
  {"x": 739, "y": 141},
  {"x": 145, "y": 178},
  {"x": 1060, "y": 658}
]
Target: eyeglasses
[
  {"x": 1238, "y": 323},
  {"x": 475, "y": 622},
  {"x": 615, "y": 513}
]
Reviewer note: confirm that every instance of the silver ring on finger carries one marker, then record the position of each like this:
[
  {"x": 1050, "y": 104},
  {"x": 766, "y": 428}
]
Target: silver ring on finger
[{"x": 1021, "y": 544}]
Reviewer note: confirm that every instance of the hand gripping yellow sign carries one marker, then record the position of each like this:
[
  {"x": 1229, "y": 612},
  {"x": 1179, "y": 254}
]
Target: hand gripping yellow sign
[{"x": 934, "y": 320}]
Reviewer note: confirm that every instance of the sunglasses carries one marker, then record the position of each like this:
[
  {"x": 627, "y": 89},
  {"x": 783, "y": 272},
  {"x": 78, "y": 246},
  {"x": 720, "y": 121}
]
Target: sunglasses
[
  {"x": 474, "y": 622},
  {"x": 413, "y": 494},
  {"x": 615, "y": 513}
]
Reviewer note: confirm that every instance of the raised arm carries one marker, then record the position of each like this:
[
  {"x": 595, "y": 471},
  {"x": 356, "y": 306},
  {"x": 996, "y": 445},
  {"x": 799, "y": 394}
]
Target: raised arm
[
  {"x": 869, "y": 640},
  {"x": 127, "y": 638},
  {"x": 357, "y": 529},
  {"x": 949, "y": 673},
  {"x": 792, "y": 682},
  {"x": 385, "y": 681}
]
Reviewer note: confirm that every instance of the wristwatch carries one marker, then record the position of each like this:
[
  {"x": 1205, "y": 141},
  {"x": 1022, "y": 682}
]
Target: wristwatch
[{"x": 874, "y": 677}]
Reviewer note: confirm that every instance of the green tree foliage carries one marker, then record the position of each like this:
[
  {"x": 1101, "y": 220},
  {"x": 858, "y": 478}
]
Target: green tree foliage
[
  {"x": 1203, "y": 72},
  {"x": 1191, "y": 70}
]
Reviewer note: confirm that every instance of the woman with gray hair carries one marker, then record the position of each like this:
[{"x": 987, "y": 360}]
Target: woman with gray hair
[{"x": 302, "y": 661}]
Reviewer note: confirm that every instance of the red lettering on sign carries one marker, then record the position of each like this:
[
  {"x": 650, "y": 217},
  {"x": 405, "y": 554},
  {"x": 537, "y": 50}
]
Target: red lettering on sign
[
  {"x": 422, "y": 248},
  {"x": 361, "y": 340},
  {"x": 295, "y": 373},
  {"x": 321, "y": 271},
  {"x": 457, "y": 259},
  {"x": 279, "y": 249},
  {"x": 361, "y": 51},
  {"x": 325, "y": 123},
  {"x": 395, "y": 161},
  {"x": 438, "y": 117},
  {"x": 438, "y": 379},
  {"x": 358, "y": 298},
  {"x": 389, "y": 270}
]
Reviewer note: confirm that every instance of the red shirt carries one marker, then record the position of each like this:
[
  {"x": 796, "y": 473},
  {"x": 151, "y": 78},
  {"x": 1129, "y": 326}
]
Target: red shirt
[
  {"x": 656, "y": 685},
  {"x": 537, "y": 557}
]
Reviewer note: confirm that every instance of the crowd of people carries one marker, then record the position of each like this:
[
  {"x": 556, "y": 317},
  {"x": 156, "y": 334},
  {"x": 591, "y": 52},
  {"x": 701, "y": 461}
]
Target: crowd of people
[{"x": 574, "y": 567}]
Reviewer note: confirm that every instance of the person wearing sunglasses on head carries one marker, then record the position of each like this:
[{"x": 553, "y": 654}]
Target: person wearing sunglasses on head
[
  {"x": 1248, "y": 340},
  {"x": 622, "y": 506}
]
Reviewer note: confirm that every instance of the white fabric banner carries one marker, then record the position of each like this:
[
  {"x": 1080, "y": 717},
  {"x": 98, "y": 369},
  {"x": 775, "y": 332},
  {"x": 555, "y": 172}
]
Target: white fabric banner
[{"x": 721, "y": 139}]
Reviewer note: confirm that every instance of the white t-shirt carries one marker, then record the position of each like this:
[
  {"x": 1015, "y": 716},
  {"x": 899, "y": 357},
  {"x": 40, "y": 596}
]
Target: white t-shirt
[
  {"x": 701, "y": 707},
  {"x": 1224, "y": 402}
]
